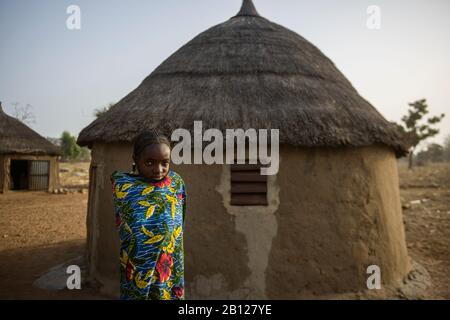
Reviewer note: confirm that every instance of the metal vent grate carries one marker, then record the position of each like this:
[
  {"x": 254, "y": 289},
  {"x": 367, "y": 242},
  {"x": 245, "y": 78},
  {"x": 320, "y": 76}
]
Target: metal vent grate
[{"x": 248, "y": 186}]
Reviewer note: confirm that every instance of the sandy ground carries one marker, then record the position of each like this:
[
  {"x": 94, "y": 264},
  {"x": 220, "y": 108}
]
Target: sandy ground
[
  {"x": 425, "y": 193},
  {"x": 39, "y": 230}
]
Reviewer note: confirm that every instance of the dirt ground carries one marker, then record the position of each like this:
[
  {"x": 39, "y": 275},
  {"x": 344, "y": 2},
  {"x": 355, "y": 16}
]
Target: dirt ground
[
  {"x": 425, "y": 193},
  {"x": 40, "y": 230}
]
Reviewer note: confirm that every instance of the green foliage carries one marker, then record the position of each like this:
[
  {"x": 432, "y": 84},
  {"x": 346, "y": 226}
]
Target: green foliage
[
  {"x": 85, "y": 154},
  {"x": 70, "y": 150},
  {"x": 415, "y": 128},
  {"x": 433, "y": 153},
  {"x": 101, "y": 111}
]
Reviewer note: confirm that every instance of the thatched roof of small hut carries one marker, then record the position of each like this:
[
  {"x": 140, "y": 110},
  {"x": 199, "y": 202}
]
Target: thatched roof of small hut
[
  {"x": 248, "y": 72},
  {"x": 17, "y": 138}
]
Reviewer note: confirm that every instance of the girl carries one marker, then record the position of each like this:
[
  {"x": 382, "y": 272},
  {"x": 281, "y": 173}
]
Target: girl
[{"x": 150, "y": 206}]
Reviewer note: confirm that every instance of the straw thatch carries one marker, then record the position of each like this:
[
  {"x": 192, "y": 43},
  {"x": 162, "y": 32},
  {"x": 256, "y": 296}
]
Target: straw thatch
[
  {"x": 17, "y": 138},
  {"x": 249, "y": 73}
]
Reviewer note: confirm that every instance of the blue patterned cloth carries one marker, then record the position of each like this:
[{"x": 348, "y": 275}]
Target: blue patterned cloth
[{"x": 150, "y": 222}]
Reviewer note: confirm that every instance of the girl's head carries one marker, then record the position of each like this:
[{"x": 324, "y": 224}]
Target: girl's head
[{"x": 151, "y": 154}]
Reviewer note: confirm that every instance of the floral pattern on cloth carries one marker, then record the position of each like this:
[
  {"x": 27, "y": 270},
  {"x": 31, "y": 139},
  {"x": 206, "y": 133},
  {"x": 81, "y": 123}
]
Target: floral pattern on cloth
[{"x": 150, "y": 222}]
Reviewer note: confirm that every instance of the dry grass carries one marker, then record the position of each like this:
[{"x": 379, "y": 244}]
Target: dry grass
[{"x": 74, "y": 175}]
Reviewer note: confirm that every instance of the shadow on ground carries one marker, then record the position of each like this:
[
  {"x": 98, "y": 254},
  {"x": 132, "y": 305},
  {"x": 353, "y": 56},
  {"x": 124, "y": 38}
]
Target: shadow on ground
[{"x": 20, "y": 267}]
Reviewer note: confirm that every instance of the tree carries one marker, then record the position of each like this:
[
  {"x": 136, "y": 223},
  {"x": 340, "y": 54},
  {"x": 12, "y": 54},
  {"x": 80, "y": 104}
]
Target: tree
[
  {"x": 433, "y": 153},
  {"x": 447, "y": 148},
  {"x": 85, "y": 154},
  {"x": 101, "y": 111},
  {"x": 70, "y": 149},
  {"x": 415, "y": 128},
  {"x": 23, "y": 113}
]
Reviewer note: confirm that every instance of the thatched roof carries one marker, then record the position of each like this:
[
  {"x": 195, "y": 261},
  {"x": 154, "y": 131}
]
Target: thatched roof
[
  {"x": 17, "y": 138},
  {"x": 248, "y": 73}
]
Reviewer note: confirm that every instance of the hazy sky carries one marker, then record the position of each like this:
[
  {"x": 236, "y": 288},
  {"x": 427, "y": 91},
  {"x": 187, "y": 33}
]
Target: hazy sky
[{"x": 65, "y": 74}]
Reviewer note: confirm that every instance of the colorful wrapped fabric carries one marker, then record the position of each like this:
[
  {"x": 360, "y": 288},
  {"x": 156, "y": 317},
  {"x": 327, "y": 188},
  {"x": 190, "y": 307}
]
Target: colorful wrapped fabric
[{"x": 150, "y": 222}]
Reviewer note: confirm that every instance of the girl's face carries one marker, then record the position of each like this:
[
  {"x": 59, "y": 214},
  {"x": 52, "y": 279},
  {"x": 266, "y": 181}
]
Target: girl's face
[{"x": 153, "y": 162}]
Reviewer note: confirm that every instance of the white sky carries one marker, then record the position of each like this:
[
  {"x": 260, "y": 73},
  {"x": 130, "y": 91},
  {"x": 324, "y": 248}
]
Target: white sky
[{"x": 66, "y": 74}]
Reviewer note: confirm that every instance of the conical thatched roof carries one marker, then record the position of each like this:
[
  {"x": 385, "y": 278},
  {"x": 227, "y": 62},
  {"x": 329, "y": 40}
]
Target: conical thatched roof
[
  {"x": 17, "y": 138},
  {"x": 249, "y": 73}
]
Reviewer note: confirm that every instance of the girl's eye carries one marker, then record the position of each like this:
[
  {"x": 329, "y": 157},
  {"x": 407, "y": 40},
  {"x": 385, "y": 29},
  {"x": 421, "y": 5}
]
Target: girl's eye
[{"x": 148, "y": 163}]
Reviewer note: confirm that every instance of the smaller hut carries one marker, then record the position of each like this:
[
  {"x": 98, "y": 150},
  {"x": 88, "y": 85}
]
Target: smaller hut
[{"x": 28, "y": 161}]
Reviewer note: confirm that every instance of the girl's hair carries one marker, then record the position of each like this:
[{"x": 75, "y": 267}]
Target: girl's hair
[{"x": 147, "y": 138}]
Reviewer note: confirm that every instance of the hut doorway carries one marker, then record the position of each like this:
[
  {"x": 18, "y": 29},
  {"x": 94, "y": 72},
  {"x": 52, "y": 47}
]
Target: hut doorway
[
  {"x": 19, "y": 174},
  {"x": 29, "y": 175}
]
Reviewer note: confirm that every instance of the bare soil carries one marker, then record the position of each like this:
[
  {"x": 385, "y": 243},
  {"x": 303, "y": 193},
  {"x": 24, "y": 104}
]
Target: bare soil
[
  {"x": 39, "y": 230},
  {"x": 425, "y": 193}
]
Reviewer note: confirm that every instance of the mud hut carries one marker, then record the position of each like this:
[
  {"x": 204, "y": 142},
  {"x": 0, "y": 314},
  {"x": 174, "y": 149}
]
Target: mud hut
[
  {"x": 333, "y": 208},
  {"x": 28, "y": 161}
]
